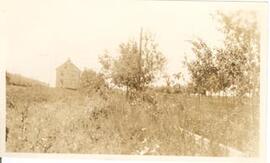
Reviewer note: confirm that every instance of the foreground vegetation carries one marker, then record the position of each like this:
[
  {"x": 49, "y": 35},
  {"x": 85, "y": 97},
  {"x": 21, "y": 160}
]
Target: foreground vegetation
[{"x": 43, "y": 119}]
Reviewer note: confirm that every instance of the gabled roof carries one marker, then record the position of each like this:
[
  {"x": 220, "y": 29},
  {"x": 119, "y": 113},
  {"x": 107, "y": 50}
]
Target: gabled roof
[{"x": 68, "y": 63}]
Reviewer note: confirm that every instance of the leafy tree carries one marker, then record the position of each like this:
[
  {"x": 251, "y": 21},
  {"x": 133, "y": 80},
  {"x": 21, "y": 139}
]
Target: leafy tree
[
  {"x": 239, "y": 59},
  {"x": 137, "y": 65},
  {"x": 234, "y": 65},
  {"x": 91, "y": 82},
  {"x": 178, "y": 77},
  {"x": 169, "y": 82},
  {"x": 202, "y": 69}
]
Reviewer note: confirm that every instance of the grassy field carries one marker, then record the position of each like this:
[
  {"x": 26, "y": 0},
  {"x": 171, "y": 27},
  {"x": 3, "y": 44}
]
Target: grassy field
[{"x": 43, "y": 119}]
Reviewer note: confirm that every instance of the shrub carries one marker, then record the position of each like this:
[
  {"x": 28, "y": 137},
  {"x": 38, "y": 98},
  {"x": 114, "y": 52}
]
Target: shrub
[{"x": 91, "y": 82}]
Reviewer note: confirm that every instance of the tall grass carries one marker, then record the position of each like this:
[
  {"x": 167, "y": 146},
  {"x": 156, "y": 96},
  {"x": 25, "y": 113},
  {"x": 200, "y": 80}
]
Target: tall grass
[{"x": 42, "y": 119}]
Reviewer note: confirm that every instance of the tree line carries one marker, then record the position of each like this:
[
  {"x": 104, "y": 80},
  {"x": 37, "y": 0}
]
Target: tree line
[{"x": 232, "y": 67}]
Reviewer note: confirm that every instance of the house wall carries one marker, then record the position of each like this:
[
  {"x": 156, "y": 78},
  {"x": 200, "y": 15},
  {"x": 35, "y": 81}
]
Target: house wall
[{"x": 68, "y": 77}]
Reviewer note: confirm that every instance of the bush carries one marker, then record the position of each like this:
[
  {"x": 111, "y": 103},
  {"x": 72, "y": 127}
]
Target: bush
[{"x": 91, "y": 82}]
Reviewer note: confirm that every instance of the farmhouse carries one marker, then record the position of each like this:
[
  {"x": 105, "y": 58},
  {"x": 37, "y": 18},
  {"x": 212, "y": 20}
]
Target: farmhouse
[{"x": 68, "y": 76}]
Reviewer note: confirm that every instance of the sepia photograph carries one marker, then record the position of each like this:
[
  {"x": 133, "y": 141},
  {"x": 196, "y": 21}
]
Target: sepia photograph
[{"x": 156, "y": 78}]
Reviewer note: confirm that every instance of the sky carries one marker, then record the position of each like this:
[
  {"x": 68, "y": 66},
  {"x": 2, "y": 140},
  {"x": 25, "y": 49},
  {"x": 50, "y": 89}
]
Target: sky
[{"x": 41, "y": 35}]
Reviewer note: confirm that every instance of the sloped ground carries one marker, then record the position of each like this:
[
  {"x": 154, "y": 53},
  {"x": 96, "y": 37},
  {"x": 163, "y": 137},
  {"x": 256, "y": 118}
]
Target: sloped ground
[{"x": 42, "y": 119}]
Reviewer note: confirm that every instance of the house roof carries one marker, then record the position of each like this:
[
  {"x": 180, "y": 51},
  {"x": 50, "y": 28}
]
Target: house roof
[{"x": 69, "y": 64}]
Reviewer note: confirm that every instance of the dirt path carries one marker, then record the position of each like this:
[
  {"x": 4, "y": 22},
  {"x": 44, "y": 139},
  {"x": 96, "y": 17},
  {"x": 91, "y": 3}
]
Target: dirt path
[{"x": 205, "y": 143}]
